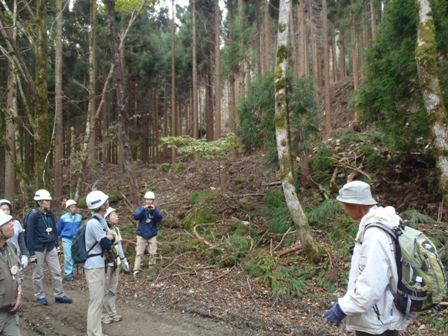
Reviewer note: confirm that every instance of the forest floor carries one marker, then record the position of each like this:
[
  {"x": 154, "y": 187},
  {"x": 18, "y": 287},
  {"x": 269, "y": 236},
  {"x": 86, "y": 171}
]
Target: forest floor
[{"x": 186, "y": 293}]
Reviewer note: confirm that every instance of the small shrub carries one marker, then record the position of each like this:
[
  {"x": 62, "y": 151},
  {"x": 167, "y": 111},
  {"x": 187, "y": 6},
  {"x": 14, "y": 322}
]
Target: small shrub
[
  {"x": 197, "y": 196},
  {"x": 240, "y": 243},
  {"x": 414, "y": 216},
  {"x": 322, "y": 165},
  {"x": 277, "y": 212}
]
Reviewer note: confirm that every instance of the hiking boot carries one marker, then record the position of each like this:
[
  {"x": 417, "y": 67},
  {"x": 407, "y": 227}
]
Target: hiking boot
[
  {"x": 68, "y": 278},
  {"x": 106, "y": 320},
  {"x": 136, "y": 273},
  {"x": 116, "y": 317},
  {"x": 63, "y": 299},
  {"x": 42, "y": 301}
]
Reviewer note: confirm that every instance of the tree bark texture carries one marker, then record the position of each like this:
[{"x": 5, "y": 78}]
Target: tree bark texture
[
  {"x": 10, "y": 146},
  {"x": 173, "y": 83},
  {"x": 282, "y": 139},
  {"x": 326, "y": 69},
  {"x": 59, "y": 127},
  {"x": 90, "y": 126},
  {"x": 195, "y": 73},
  {"x": 217, "y": 70},
  {"x": 426, "y": 57}
]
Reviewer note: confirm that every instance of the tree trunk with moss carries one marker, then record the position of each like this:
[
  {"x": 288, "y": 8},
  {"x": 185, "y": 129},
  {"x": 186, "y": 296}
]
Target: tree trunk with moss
[
  {"x": 426, "y": 56},
  {"x": 42, "y": 131},
  {"x": 286, "y": 175}
]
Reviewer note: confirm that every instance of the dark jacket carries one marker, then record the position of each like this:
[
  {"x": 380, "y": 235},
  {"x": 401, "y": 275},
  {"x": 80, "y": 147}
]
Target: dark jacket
[
  {"x": 38, "y": 238},
  {"x": 147, "y": 221}
]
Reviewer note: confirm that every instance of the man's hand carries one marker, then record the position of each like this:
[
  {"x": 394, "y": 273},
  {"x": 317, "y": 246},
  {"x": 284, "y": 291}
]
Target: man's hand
[
  {"x": 17, "y": 305},
  {"x": 24, "y": 261},
  {"x": 334, "y": 315},
  {"x": 33, "y": 259},
  {"x": 110, "y": 235}
]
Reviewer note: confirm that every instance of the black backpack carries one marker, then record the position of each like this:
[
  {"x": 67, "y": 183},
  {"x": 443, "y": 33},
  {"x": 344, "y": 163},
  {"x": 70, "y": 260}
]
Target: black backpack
[{"x": 79, "y": 251}]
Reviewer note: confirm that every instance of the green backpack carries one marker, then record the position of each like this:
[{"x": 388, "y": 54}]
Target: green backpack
[{"x": 416, "y": 256}]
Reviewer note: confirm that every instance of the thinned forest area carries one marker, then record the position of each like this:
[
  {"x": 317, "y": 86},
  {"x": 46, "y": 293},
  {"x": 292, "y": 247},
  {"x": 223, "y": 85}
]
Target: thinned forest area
[{"x": 245, "y": 118}]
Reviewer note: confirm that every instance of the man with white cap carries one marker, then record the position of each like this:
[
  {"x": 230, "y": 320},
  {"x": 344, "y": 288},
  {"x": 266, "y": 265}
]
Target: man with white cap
[
  {"x": 11, "y": 299},
  {"x": 148, "y": 217},
  {"x": 42, "y": 242},
  {"x": 99, "y": 239},
  {"x": 67, "y": 226},
  {"x": 368, "y": 303}
]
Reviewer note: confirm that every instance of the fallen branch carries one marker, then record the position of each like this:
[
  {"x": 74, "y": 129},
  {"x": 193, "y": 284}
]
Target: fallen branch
[
  {"x": 218, "y": 277},
  {"x": 250, "y": 194},
  {"x": 290, "y": 250},
  {"x": 128, "y": 203},
  {"x": 202, "y": 239},
  {"x": 283, "y": 237},
  {"x": 275, "y": 183}
]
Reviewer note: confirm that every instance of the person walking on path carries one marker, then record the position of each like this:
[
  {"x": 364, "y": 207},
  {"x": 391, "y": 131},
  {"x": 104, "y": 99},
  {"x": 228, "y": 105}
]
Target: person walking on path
[
  {"x": 98, "y": 240},
  {"x": 368, "y": 303},
  {"x": 148, "y": 216},
  {"x": 67, "y": 226},
  {"x": 113, "y": 271},
  {"x": 11, "y": 299},
  {"x": 19, "y": 234},
  {"x": 42, "y": 242}
]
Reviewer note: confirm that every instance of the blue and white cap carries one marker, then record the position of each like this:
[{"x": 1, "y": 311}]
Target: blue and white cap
[{"x": 356, "y": 192}]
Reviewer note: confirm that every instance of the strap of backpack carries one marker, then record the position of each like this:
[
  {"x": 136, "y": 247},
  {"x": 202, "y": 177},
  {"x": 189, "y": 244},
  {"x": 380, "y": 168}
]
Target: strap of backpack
[{"x": 394, "y": 234}]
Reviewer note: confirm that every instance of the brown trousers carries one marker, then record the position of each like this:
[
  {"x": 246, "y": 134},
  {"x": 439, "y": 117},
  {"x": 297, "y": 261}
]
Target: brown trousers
[{"x": 386, "y": 333}]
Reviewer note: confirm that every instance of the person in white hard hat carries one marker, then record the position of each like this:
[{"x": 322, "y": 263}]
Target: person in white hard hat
[
  {"x": 368, "y": 305},
  {"x": 99, "y": 239},
  {"x": 42, "y": 242},
  {"x": 148, "y": 216},
  {"x": 67, "y": 226},
  {"x": 113, "y": 271},
  {"x": 19, "y": 234},
  {"x": 11, "y": 298}
]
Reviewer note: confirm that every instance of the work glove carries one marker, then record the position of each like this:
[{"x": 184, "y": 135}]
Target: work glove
[
  {"x": 59, "y": 251},
  {"x": 125, "y": 265},
  {"x": 24, "y": 261},
  {"x": 334, "y": 315},
  {"x": 33, "y": 259}
]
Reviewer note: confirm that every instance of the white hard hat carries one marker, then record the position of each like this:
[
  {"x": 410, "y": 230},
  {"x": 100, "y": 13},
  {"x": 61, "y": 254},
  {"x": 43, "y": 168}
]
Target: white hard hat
[
  {"x": 356, "y": 192},
  {"x": 5, "y": 201},
  {"x": 149, "y": 195},
  {"x": 109, "y": 211},
  {"x": 95, "y": 199},
  {"x": 4, "y": 218},
  {"x": 69, "y": 203},
  {"x": 42, "y": 195}
]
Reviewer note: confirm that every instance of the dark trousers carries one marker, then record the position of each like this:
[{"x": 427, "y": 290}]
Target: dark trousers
[{"x": 386, "y": 333}]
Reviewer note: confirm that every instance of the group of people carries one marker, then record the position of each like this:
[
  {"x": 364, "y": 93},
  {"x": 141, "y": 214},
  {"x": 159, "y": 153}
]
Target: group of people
[{"x": 38, "y": 243}]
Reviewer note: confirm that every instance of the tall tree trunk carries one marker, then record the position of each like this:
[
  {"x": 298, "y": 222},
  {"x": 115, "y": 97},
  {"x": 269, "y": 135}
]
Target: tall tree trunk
[
  {"x": 373, "y": 19},
  {"x": 59, "y": 127},
  {"x": 343, "y": 59},
  {"x": 10, "y": 125},
  {"x": 326, "y": 69},
  {"x": 173, "y": 83},
  {"x": 195, "y": 73},
  {"x": 355, "y": 69},
  {"x": 42, "y": 132},
  {"x": 92, "y": 85},
  {"x": 217, "y": 70},
  {"x": 302, "y": 39},
  {"x": 426, "y": 57},
  {"x": 209, "y": 103},
  {"x": 267, "y": 38},
  {"x": 311, "y": 248}
]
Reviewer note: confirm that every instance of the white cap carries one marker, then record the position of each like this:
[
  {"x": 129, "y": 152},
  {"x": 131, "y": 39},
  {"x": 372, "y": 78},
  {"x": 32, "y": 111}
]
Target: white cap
[
  {"x": 69, "y": 203},
  {"x": 109, "y": 211},
  {"x": 356, "y": 192},
  {"x": 5, "y": 201},
  {"x": 4, "y": 218},
  {"x": 96, "y": 199},
  {"x": 149, "y": 195},
  {"x": 42, "y": 195}
]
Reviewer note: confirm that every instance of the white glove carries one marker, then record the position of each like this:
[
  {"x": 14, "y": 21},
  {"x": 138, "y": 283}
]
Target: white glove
[
  {"x": 125, "y": 265},
  {"x": 24, "y": 261}
]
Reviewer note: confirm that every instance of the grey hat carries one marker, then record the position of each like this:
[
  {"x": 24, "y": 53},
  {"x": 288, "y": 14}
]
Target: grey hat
[{"x": 356, "y": 192}]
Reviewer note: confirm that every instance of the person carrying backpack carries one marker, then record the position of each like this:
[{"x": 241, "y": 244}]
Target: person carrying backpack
[
  {"x": 11, "y": 298},
  {"x": 148, "y": 216},
  {"x": 98, "y": 241},
  {"x": 113, "y": 271},
  {"x": 368, "y": 305},
  {"x": 67, "y": 226},
  {"x": 42, "y": 242},
  {"x": 19, "y": 235}
]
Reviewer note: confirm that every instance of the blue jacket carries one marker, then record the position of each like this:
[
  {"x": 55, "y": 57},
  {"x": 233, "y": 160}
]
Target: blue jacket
[
  {"x": 68, "y": 224},
  {"x": 147, "y": 221},
  {"x": 40, "y": 231}
]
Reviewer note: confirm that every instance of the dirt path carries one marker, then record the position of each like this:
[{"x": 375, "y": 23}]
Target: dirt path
[{"x": 139, "y": 318}]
